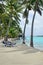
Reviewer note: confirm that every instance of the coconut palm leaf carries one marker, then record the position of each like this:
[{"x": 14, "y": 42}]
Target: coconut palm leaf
[{"x": 39, "y": 11}]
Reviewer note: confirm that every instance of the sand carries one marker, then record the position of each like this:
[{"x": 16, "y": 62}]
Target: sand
[{"x": 20, "y": 55}]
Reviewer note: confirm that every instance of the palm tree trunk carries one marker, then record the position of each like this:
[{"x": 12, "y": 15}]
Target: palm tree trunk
[
  {"x": 6, "y": 37},
  {"x": 31, "y": 40},
  {"x": 8, "y": 26},
  {"x": 24, "y": 33},
  {"x": 10, "y": 21}
]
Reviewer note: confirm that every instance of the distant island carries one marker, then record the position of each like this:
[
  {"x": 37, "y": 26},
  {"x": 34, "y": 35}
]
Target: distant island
[{"x": 39, "y": 36}]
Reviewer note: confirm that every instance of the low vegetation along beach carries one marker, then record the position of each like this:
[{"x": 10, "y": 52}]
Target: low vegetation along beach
[{"x": 16, "y": 48}]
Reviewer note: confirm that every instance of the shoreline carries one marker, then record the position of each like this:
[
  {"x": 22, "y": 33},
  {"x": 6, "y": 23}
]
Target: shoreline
[
  {"x": 20, "y": 55},
  {"x": 28, "y": 44}
]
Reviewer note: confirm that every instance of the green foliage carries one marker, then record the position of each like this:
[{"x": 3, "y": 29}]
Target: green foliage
[
  {"x": 10, "y": 15},
  {"x": 1, "y": 9},
  {"x": 10, "y": 18}
]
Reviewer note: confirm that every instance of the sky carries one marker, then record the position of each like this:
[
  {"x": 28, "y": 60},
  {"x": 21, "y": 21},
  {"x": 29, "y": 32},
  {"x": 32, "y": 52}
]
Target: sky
[{"x": 38, "y": 24}]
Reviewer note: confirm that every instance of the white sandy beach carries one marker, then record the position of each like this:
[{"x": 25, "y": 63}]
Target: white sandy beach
[{"x": 20, "y": 55}]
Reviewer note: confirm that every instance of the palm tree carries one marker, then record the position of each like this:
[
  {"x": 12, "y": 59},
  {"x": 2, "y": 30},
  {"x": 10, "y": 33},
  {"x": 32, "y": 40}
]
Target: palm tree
[
  {"x": 13, "y": 9},
  {"x": 25, "y": 15},
  {"x": 10, "y": 17},
  {"x": 38, "y": 4},
  {"x": 27, "y": 8}
]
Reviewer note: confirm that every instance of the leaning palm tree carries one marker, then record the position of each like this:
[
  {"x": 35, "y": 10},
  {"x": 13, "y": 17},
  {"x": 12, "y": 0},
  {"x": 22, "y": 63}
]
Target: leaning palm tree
[
  {"x": 25, "y": 15},
  {"x": 27, "y": 8},
  {"x": 37, "y": 4}
]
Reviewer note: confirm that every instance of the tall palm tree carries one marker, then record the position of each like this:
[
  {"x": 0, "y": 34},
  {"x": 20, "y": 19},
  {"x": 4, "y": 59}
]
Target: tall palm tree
[
  {"x": 37, "y": 5},
  {"x": 13, "y": 9},
  {"x": 10, "y": 13},
  {"x": 25, "y": 15},
  {"x": 27, "y": 7}
]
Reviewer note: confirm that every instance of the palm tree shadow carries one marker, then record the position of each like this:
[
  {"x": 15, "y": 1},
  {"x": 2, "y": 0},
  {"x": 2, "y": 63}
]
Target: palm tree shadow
[
  {"x": 18, "y": 48},
  {"x": 15, "y": 50},
  {"x": 32, "y": 50},
  {"x": 25, "y": 51}
]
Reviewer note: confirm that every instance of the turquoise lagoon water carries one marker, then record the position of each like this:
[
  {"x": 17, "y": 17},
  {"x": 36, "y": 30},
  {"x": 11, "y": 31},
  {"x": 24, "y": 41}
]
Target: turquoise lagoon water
[{"x": 38, "y": 42}]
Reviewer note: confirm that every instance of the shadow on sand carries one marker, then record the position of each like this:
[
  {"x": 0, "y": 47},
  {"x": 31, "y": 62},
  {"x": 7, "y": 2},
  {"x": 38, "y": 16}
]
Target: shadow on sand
[{"x": 24, "y": 48}]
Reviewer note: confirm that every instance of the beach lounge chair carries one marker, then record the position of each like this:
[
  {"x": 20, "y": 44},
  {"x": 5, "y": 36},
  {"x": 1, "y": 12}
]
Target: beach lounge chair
[{"x": 8, "y": 43}]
